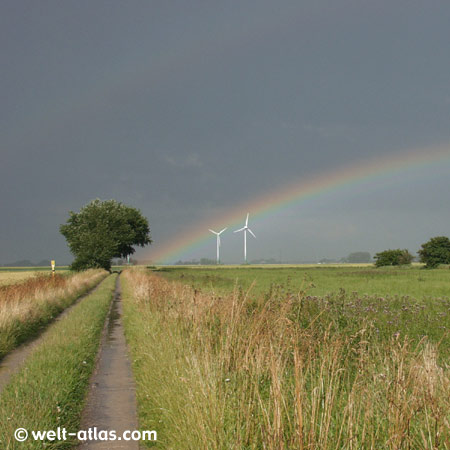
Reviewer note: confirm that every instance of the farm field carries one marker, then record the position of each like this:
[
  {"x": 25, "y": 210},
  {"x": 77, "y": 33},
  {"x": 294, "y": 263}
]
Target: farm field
[
  {"x": 316, "y": 280},
  {"x": 294, "y": 357},
  {"x": 11, "y": 275},
  {"x": 298, "y": 357},
  {"x": 28, "y": 305}
]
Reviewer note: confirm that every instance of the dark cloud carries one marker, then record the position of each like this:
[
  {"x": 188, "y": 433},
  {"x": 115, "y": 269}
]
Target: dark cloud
[{"x": 186, "y": 109}]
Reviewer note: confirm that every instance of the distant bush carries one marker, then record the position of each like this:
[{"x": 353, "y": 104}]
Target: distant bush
[
  {"x": 396, "y": 257},
  {"x": 436, "y": 251},
  {"x": 358, "y": 257}
]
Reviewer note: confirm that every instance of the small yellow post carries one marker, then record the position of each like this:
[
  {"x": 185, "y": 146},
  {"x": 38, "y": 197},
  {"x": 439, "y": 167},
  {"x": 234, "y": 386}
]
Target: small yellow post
[{"x": 53, "y": 267}]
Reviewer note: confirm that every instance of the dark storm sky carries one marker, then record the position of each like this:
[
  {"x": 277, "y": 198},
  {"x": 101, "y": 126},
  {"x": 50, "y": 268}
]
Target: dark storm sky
[{"x": 184, "y": 109}]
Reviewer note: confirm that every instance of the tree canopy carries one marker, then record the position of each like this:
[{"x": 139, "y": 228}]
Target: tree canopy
[
  {"x": 436, "y": 251},
  {"x": 395, "y": 257},
  {"x": 104, "y": 230}
]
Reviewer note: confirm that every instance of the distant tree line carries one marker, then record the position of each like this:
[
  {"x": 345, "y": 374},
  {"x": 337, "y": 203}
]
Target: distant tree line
[
  {"x": 196, "y": 262},
  {"x": 432, "y": 253},
  {"x": 357, "y": 257},
  {"x": 27, "y": 263},
  {"x": 265, "y": 261}
]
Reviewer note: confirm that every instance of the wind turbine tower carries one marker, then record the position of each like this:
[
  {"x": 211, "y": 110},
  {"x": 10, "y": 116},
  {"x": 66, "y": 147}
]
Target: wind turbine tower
[
  {"x": 245, "y": 228},
  {"x": 218, "y": 243}
]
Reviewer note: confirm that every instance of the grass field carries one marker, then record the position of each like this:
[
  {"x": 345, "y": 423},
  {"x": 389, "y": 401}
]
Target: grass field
[
  {"x": 298, "y": 357},
  {"x": 317, "y": 280}
]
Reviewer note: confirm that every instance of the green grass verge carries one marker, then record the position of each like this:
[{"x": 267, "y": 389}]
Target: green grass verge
[
  {"x": 50, "y": 389},
  {"x": 158, "y": 368},
  {"x": 22, "y": 328}
]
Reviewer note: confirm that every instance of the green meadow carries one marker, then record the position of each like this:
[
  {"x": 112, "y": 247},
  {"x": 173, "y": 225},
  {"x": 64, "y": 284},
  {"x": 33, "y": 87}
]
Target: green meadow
[
  {"x": 413, "y": 281},
  {"x": 304, "y": 357},
  {"x": 409, "y": 300}
]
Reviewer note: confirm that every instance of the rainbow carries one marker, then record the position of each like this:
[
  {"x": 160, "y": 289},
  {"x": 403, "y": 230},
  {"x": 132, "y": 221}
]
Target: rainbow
[{"x": 295, "y": 192}]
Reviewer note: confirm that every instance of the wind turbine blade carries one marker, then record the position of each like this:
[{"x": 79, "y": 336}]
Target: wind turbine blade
[
  {"x": 212, "y": 231},
  {"x": 218, "y": 239},
  {"x": 251, "y": 232},
  {"x": 246, "y": 221},
  {"x": 220, "y": 232},
  {"x": 240, "y": 229}
]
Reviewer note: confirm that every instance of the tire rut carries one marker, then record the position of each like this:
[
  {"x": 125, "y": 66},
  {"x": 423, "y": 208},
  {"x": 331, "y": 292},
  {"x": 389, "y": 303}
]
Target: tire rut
[{"x": 111, "y": 401}]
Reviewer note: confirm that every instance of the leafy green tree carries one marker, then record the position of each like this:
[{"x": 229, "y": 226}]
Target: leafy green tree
[
  {"x": 396, "y": 257},
  {"x": 104, "y": 230},
  {"x": 405, "y": 258},
  {"x": 436, "y": 251}
]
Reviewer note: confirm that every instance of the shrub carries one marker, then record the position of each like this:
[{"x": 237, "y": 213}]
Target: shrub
[
  {"x": 396, "y": 257},
  {"x": 436, "y": 251}
]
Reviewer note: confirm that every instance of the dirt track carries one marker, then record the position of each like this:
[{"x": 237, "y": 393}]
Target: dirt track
[{"x": 111, "y": 402}]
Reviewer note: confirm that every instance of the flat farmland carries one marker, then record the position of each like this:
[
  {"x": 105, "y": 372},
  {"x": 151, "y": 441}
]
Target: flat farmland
[
  {"x": 12, "y": 275},
  {"x": 291, "y": 357},
  {"x": 316, "y": 280},
  {"x": 410, "y": 300},
  {"x": 245, "y": 357}
]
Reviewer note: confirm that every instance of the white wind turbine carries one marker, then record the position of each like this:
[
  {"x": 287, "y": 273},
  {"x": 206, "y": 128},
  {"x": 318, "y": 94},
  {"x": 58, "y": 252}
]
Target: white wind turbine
[
  {"x": 218, "y": 242},
  {"x": 245, "y": 228}
]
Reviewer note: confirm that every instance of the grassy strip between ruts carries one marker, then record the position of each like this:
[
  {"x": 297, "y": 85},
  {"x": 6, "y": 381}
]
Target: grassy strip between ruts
[
  {"x": 27, "y": 307},
  {"x": 50, "y": 389}
]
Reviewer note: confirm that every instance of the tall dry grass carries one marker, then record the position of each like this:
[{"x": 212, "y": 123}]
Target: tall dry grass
[
  {"x": 239, "y": 371},
  {"x": 27, "y": 306},
  {"x": 11, "y": 276}
]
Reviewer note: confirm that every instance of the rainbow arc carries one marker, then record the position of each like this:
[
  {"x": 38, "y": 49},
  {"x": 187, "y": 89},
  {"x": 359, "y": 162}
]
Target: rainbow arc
[{"x": 299, "y": 191}]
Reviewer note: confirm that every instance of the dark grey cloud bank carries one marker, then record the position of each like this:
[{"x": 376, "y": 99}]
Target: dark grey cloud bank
[{"x": 184, "y": 109}]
